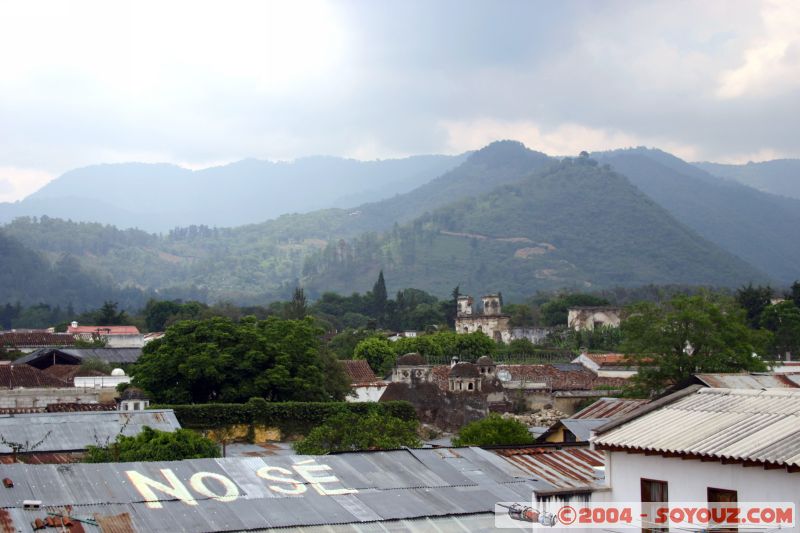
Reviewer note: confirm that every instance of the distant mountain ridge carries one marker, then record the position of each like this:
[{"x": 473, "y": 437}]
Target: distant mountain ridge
[
  {"x": 758, "y": 227},
  {"x": 507, "y": 218},
  {"x": 159, "y": 197},
  {"x": 780, "y": 176}
]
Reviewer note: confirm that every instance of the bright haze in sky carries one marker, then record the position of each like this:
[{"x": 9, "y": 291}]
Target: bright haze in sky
[{"x": 198, "y": 83}]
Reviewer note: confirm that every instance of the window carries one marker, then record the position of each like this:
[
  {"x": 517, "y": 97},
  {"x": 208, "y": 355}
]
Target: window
[
  {"x": 569, "y": 436},
  {"x": 653, "y": 491},
  {"x": 721, "y": 496},
  {"x": 469, "y": 386}
]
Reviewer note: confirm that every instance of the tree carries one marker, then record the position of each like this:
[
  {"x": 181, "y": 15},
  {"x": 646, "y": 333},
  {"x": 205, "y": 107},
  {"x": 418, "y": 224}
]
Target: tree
[
  {"x": 378, "y": 353},
  {"x": 107, "y": 315},
  {"x": 154, "y": 445},
  {"x": 783, "y": 320},
  {"x": 493, "y": 430},
  {"x": 352, "y": 432},
  {"x": 754, "y": 300},
  {"x": 379, "y": 297},
  {"x": 221, "y": 360},
  {"x": 297, "y": 308},
  {"x": 156, "y": 313},
  {"x": 687, "y": 335},
  {"x": 794, "y": 293}
]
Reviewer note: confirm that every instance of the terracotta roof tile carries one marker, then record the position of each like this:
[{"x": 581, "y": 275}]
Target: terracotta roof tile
[
  {"x": 35, "y": 339},
  {"x": 104, "y": 330},
  {"x": 69, "y": 372},
  {"x": 358, "y": 370},
  {"x": 17, "y": 376}
]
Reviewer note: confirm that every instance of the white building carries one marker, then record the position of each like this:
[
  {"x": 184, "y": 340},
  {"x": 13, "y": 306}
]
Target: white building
[
  {"x": 589, "y": 318},
  {"x": 706, "y": 444}
]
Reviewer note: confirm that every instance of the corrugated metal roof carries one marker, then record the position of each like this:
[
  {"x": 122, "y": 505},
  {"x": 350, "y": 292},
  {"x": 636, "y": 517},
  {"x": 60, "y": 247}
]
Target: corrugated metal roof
[
  {"x": 582, "y": 428},
  {"x": 376, "y": 487},
  {"x": 561, "y": 468},
  {"x": 747, "y": 381},
  {"x": 109, "y": 355},
  {"x": 748, "y": 425},
  {"x": 609, "y": 408},
  {"x": 72, "y": 431}
]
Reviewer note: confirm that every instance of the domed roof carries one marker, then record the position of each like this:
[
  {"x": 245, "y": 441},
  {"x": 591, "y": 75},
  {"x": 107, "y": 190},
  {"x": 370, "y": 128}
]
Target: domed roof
[
  {"x": 464, "y": 370},
  {"x": 133, "y": 393},
  {"x": 484, "y": 360},
  {"x": 117, "y": 372},
  {"x": 411, "y": 359}
]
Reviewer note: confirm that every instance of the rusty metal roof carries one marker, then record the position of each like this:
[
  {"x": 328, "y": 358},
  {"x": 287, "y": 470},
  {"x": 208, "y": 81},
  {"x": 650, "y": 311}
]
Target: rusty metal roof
[
  {"x": 609, "y": 408},
  {"x": 757, "y": 426},
  {"x": 563, "y": 468},
  {"x": 230, "y": 495},
  {"x": 74, "y": 431}
]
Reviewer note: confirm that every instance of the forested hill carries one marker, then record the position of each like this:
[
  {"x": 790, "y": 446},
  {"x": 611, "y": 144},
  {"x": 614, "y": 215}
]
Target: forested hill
[
  {"x": 760, "y": 228},
  {"x": 256, "y": 261},
  {"x": 159, "y": 197},
  {"x": 574, "y": 224},
  {"x": 28, "y": 278},
  {"x": 781, "y": 176}
]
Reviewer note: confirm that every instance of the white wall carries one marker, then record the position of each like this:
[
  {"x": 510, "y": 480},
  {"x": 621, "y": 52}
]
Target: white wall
[
  {"x": 100, "y": 381},
  {"x": 371, "y": 393},
  {"x": 688, "y": 480},
  {"x": 22, "y": 398}
]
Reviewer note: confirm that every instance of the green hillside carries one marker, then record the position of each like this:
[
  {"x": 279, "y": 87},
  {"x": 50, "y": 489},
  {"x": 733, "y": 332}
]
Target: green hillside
[
  {"x": 760, "y": 228},
  {"x": 256, "y": 261},
  {"x": 572, "y": 224}
]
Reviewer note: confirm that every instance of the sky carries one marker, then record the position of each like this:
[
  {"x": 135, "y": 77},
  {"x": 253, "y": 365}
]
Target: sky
[{"x": 199, "y": 83}]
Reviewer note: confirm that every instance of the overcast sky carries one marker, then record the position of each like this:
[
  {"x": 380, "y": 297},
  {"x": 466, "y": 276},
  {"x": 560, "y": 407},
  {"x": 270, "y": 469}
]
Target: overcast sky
[{"x": 199, "y": 83}]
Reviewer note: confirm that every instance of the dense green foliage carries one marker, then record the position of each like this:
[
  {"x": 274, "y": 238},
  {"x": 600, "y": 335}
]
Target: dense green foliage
[
  {"x": 350, "y": 432},
  {"x": 219, "y": 360},
  {"x": 153, "y": 445},
  {"x": 492, "y": 431},
  {"x": 688, "y": 335},
  {"x": 290, "y": 417}
]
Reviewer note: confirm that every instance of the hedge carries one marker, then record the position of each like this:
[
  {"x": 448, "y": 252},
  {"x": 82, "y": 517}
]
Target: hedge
[{"x": 290, "y": 417}]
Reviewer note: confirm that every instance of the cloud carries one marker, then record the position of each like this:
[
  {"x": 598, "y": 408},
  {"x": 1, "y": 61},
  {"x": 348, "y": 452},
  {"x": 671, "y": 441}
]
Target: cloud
[
  {"x": 17, "y": 183},
  {"x": 195, "y": 83},
  {"x": 771, "y": 63}
]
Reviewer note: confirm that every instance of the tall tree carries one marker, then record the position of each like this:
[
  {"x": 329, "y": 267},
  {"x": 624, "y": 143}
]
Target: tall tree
[
  {"x": 687, "y": 335},
  {"x": 380, "y": 297},
  {"x": 754, "y": 300},
  {"x": 297, "y": 308},
  {"x": 795, "y": 293},
  {"x": 783, "y": 320}
]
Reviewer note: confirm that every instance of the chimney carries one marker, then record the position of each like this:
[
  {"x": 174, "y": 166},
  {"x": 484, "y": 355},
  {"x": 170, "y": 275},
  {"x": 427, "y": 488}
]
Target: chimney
[{"x": 453, "y": 361}]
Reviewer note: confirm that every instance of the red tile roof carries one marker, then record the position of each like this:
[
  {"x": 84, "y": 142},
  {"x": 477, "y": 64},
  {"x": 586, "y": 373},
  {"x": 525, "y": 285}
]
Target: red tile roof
[
  {"x": 35, "y": 339},
  {"x": 17, "y": 376},
  {"x": 359, "y": 371},
  {"x": 104, "y": 330},
  {"x": 572, "y": 377},
  {"x": 614, "y": 359}
]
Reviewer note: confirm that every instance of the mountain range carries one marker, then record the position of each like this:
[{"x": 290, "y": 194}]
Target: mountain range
[
  {"x": 779, "y": 176},
  {"x": 501, "y": 218}
]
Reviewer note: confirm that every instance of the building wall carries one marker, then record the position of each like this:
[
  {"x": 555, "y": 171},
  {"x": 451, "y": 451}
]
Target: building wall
[
  {"x": 124, "y": 341},
  {"x": 94, "y": 382},
  {"x": 688, "y": 480},
  {"x": 585, "y": 319},
  {"x": 366, "y": 393},
  {"x": 486, "y": 324},
  {"x": 10, "y": 398}
]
